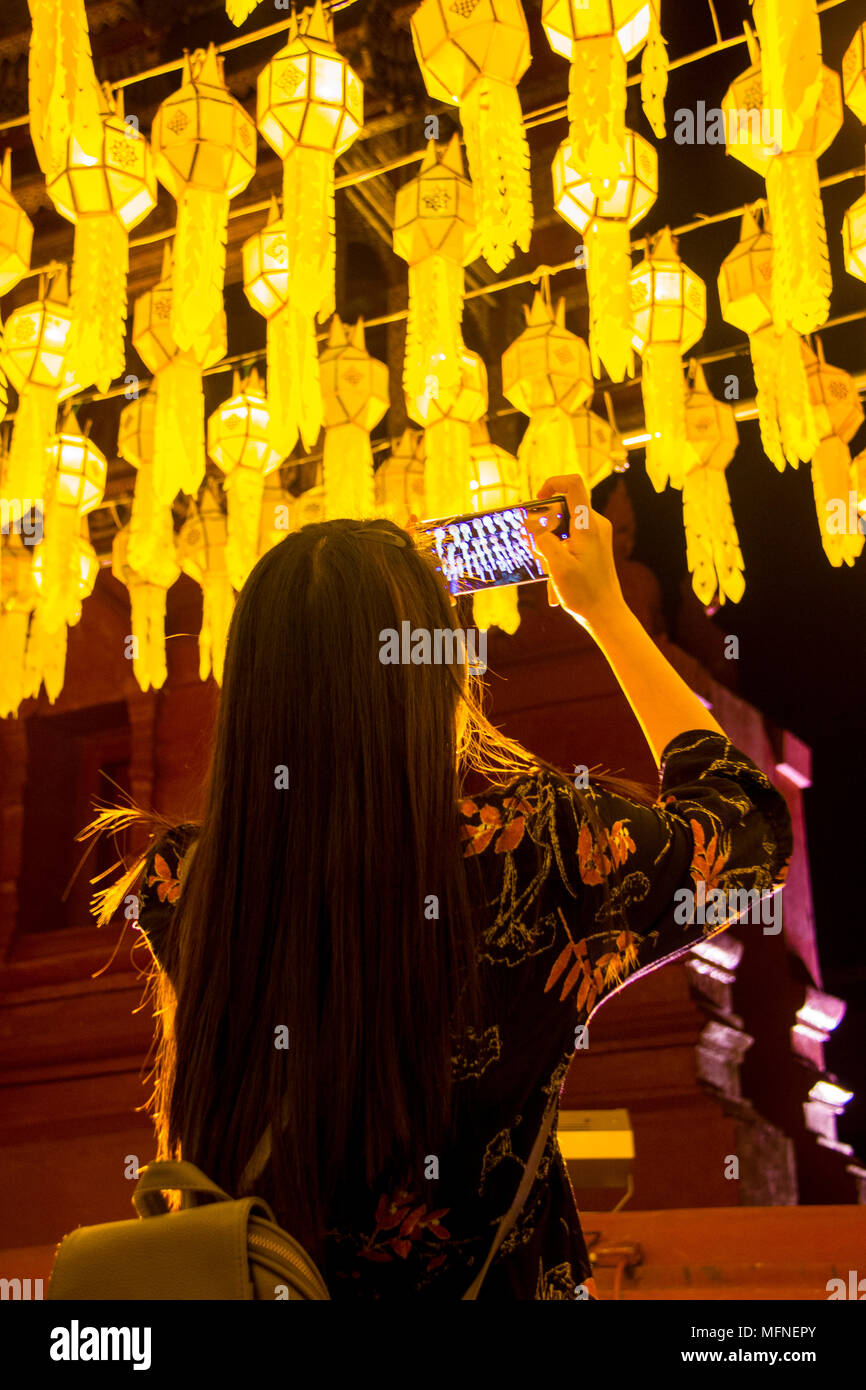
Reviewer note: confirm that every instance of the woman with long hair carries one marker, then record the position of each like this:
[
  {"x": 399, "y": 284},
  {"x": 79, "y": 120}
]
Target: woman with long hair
[{"x": 369, "y": 982}]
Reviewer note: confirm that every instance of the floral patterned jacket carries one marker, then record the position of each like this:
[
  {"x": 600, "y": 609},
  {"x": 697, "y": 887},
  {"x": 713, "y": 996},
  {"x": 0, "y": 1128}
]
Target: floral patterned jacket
[{"x": 553, "y": 944}]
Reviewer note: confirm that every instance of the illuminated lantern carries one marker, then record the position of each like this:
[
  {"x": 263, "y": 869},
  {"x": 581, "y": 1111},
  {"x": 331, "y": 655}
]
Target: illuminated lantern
[
  {"x": 788, "y": 431},
  {"x": 669, "y": 313},
  {"x": 398, "y": 482},
  {"x": 355, "y": 394},
  {"x": 105, "y": 198},
  {"x": 63, "y": 90},
  {"x": 204, "y": 148},
  {"x": 604, "y": 225},
  {"x": 472, "y": 54},
  {"x": 77, "y": 473},
  {"x": 498, "y": 480},
  {"x": 598, "y": 447},
  {"x": 238, "y": 441},
  {"x": 854, "y": 238},
  {"x": 434, "y": 230},
  {"x": 310, "y": 109},
  {"x": 147, "y": 598},
  {"x": 201, "y": 551},
  {"x": 17, "y": 599},
  {"x": 35, "y": 345},
  {"x": 713, "y": 552},
  {"x": 294, "y": 383},
  {"x": 448, "y": 440},
  {"x": 179, "y": 448},
  {"x": 275, "y": 518},
  {"x": 45, "y": 656},
  {"x": 790, "y": 37},
  {"x": 598, "y": 37},
  {"x": 854, "y": 74},
  {"x": 839, "y": 415},
  {"x": 546, "y": 375},
  {"x": 802, "y": 282},
  {"x": 16, "y": 231}
]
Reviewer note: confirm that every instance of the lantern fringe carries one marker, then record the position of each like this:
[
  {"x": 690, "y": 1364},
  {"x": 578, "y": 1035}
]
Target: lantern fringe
[
  {"x": 496, "y": 608},
  {"x": 596, "y": 110},
  {"x": 198, "y": 264},
  {"x": 790, "y": 38},
  {"x": 59, "y": 599},
  {"x": 218, "y": 603},
  {"x": 146, "y": 530},
  {"x": 433, "y": 329},
  {"x": 309, "y": 213},
  {"x": 45, "y": 658},
  {"x": 311, "y": 404},
  {"x": 713, "y": 552},
  {"x": 802, "y": 282},
  {"x": 498, "y": 155},
  {"x": 63, "y": 91},
  {"x": 607, "y": 278},
  {"x": 347, "y": 472},
  {"x": 283, "y": 383},
  {"x": 13, "y": 644},
  {"x": 28, "y": 463},
  {"x": 100, "y": 266},
  {"x": 179, "y": 442},
  {"x": 549, "y": 435},
  {"x": 654, "y": 77},
  {"x": 240, "y": 10},
  {"x": 448, "y": 467},
  {"x": 147, "y": 608},
  {"x": 800, "y": 434},
  {"x": 664, "y": 399},
  {"x": 831, "y": 480},
  {"x": 243, "y": 488}
]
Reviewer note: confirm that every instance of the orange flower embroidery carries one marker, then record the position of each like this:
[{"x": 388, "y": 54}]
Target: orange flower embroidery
[
  {"x": 168, "y": 888},
  {"x": 707, "y": 863},
  {"x": 596, "y": 857},
  {"x": 508, "y": 835},
  {"x": 413, "y": 1220}
]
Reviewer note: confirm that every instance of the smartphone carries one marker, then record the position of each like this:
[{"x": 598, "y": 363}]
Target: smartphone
[{"x": 485, "y": 550}]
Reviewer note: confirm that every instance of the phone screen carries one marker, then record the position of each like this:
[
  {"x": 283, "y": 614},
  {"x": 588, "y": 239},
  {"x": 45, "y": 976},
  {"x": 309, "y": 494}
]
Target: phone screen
[{"x": 485, "y": 550}]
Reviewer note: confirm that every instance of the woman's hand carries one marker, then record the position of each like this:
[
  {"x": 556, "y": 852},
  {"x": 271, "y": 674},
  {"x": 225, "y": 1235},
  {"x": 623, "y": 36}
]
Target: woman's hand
[{"x": 582, "y": 576}]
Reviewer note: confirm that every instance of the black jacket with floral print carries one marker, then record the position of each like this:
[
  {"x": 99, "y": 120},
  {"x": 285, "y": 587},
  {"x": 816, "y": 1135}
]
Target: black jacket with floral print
[{"x": 577, "y": 895}]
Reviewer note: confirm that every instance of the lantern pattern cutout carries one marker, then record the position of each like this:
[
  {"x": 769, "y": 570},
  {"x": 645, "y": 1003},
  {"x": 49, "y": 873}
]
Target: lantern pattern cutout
[
  {"x": 472, "y": 54},
  {"x": 77, "y": 474},
  {"x": 448, "y": 440},
  {"x": 179, "y": 439},
  {"x": 16, "y": 231},
  {"x": 355, "y": 395},
  {"x": 839, "y": 415},
  {"x": 63, "y": 90},
  {"x": 435, "y": 231},
  {"x": 802, "y": 282},
  {"x": 45, "y": 656},
  {"x": 669, "y": 314},
  {"x": 104, "y": 198},
  {"x": 238, "y": 441},
  {"x": 201, "y": 551},
  {"x": 597, "y": 37},
  {"x": 294, "y": 381},
  {"x": 147, "y": 600},
  {"x": 785, "y": 417},
  {"x": 790, "y": 37},
  {"x": 275, "y": 518},
  {"x": 604, "y": 225},
  {"x": 17, "y": 600},
  {"x": 546, "y": 375},
  {"x": 713, "y": 552},
  {"x": 35, "y": 348},
  {"x": 310, "y": 108},
  {"x": 204, "y": 149},
  {"x": 498, "y": 480},
  {"x": 398, "y": 482}
]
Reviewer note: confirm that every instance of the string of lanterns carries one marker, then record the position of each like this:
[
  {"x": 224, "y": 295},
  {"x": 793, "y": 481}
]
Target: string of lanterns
[{"x": 101, "y": 174}]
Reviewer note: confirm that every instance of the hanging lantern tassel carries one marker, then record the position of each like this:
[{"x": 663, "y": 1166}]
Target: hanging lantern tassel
[
  {"x": 179, "y": 454},
  {"x": 434, "y": 321},
  {"x": 802, "y": 283},
  {"x": 147, "y": 600},
  {"x": 608, "y": 267},
  {"x": 201, "y": 552},
  {"x": 664, "y": 399},
  {"x": 239, "y": 442},
  {"x": 34, "y": 426},
  {"x": 63, "y": 90},
  {"x": 713, "y": 552},
  {"x": 36, "y": 341},
  {"x": 355, "y": 394},
  {"x": 448, "y": 441},
  {"x": 17, "y": 599},
  {"x": 839, "y": 415},
  {"x": 240, "y": 10},
  {"x": 499, "y": 480},
  {"x": 596, "y": 110},
  {"x": 498, "y": 154},
  {"x": 45, "y": 658},
  {"x": 654, "y": 73}
]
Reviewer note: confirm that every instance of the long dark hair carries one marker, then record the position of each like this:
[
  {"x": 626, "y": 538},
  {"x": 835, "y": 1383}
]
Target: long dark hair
[{"x": 330, "y": 827}]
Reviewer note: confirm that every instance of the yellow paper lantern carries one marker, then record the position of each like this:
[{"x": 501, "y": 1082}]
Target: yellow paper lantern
[
  {"x": 745, "y": 283},
  {"x": 17, "y": 599},
  {"x": 597, "y": 37},
  {"x": 839, "y": 415},
  {"x": 435, "y": 231},
  {"x": 179, "y": 445},
  {"x": 448, "y": 442},
  {"x": 546, "y": 375},
  {"x": 238, "y": 441},
  {"x": 105, "y": 198},
  {"x": 598, "y": 447},
  {"x": 604, "y": 224},
  {"x": 473, "y": 54},
  {"x": 398, "y": 483},
  {"x": 355, "y": 395},
  {"x": 498, "y": 480},
  {"x": 77, "y": 472},
  {"x": 147, "y": 602},
  {"x": 16, "y": 232},
  {"x": 45, "y": 654},
  {"x": 713, "y": 552},
  {"x": 854, "y": 73},
  {"x": 201, "y": 552},
  {"x": 294, "y": 383},
  {"x": 35, "y": 347},
  {"x": 669, "y": 313},
  {"x": 854, "y": 238},
  {"x": 204, "y": 147},
  {"x": 63, "y": 90}
]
